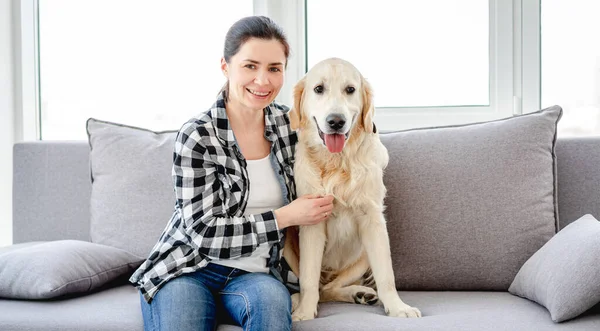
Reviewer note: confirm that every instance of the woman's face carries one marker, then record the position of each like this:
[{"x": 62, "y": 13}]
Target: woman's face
[{"x": 255, "y": 73}]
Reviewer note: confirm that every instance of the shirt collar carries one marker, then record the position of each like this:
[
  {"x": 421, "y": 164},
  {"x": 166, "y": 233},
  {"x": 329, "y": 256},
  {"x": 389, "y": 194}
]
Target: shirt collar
[{"x": 221, "y": 122}]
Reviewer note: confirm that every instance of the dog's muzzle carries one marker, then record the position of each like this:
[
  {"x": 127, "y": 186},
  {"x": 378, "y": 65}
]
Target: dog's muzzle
[{"x": 334, "y": 137}]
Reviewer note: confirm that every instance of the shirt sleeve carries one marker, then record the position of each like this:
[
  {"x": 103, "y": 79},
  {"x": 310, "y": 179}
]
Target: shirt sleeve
[{"x": 200, "y": 196}]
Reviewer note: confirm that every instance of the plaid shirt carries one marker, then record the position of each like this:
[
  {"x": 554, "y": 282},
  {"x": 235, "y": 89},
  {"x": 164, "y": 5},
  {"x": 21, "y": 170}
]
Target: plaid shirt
[{"x": 211, "y": 188}]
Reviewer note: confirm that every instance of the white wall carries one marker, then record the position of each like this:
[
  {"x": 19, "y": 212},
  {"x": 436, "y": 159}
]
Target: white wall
[{"x": 7, "y": 121}]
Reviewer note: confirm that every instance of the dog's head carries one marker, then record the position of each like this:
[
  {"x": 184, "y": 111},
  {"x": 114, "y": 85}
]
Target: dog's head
[{"x": 332, "y": 103}]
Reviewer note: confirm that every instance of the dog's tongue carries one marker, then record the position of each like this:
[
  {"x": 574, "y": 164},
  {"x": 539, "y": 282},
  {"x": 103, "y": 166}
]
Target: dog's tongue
[{"x": 335, "y": 142}]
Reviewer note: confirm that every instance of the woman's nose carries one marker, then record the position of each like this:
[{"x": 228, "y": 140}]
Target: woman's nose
[{"x": 262, "y": 77}]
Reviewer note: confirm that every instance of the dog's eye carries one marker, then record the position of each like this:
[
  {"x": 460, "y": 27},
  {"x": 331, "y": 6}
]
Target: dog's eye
[
  {"x": 350, "y": 89},
  {"x": 318, "y": 89}
]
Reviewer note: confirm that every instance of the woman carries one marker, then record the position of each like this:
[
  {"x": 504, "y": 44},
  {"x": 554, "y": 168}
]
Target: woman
[{"x": 232, "y": 172}]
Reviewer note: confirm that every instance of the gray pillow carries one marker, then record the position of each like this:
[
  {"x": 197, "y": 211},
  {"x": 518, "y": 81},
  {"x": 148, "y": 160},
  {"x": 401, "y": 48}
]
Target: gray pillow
[
  {"x": 57, "y": 268},
  {"x": 564, "y": 275},
  {"x": 14, "y": 247},
  {"x": 132, "y": 191},
  {"x": 468, "y": 205}
]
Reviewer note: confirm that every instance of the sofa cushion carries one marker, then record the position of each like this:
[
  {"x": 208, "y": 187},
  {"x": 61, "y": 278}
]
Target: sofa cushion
[
  {"x": 118, "y": 309},
  {"x": 564, "y": 275},
  {"x": 132, "y": 191},
  {"x": 468, "y": 205},
  {"x": 113, "y": 309},
  {"x": 447, "y": 311},
  {"x": 14, "y": 247},
  {"x": 57, "y": 268}
]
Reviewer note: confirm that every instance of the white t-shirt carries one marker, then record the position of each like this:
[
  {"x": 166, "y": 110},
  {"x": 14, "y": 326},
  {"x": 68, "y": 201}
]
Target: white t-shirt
[{"x": 265, "y": 195}]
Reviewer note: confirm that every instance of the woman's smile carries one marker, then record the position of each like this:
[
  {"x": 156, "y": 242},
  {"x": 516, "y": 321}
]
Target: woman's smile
[{"x": 261, "y": 95}]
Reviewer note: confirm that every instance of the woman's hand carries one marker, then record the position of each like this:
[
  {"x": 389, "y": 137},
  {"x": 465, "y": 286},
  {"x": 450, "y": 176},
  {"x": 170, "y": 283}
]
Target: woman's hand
[{"x": 308, "y": 209}]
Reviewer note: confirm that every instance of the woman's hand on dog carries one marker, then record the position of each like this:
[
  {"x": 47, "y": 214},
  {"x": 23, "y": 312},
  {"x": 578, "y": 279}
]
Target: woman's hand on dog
[{"x": 308, "y": 209}]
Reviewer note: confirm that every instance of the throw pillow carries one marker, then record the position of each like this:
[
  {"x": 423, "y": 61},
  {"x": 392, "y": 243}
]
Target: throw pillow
[
  {"x": 564, "y": 275},
  {"x": 467, "y": 205},
  {"x": 14, "y": 247},
  {"x": 132, "y": 191},
  {"x": 56, "y": 268}
]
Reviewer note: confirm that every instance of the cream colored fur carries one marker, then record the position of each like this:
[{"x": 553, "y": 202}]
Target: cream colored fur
[{"x": 333, "y": 257}]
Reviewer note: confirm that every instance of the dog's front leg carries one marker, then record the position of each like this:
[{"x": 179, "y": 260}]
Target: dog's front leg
[
  {"x": 312, "y": 246},
  {"x": 375, "y": 240}
]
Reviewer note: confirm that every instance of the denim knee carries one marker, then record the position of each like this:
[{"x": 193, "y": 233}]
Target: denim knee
[
  {"x": 275, "y": 294},
  {"x": 182, "y": 304},
  {"x": 258, "y": 302}
]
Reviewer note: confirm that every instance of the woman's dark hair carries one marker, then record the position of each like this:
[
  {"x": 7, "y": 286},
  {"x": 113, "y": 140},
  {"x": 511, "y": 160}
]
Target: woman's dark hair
[{"x": 260, "y": 27}]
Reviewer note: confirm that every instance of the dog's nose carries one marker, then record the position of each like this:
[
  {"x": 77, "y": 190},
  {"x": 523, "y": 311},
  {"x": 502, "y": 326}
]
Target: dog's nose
[{"x": 336, "y": 121}]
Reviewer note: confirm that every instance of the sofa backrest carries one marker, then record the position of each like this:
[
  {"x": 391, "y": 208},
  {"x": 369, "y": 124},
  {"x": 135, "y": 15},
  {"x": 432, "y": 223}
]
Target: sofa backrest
[
  {"x": 578, "y": 163},
  {"x": 51, "y": 191},
  {"x": 52, "y": 187}
]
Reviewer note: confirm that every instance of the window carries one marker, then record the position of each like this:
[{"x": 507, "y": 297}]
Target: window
[
  {"x": 429, "y": 53},
  {"x": 431, "y": 62},
  {"x": 570, "y": 63},
  {"x": 151, "y": 64}
]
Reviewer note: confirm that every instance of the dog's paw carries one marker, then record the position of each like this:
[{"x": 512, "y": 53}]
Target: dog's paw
[
  {"x": 295, "y": 301},
  {"x": 403, "y": 311},
  {"x": 366, "y": 297},
  {"x": 304, "y": 314}
]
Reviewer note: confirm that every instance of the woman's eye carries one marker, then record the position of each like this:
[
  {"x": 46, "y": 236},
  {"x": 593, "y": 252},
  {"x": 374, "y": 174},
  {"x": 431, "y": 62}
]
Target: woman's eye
[
  {"x": 275, "y": 70},
  {"x": 350, "y": 89},
  {"x": 250, "y": 66},
  {"x": 318, "y": 89}
]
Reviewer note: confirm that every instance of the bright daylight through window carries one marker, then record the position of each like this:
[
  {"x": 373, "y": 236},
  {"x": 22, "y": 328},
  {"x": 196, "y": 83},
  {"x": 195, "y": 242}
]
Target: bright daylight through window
[
  {"x": 142, "y": 63},
  {"x": 571, "y": 63},
  {"x": 156, "y": 64},
  {"x": 428, "y": 53}
]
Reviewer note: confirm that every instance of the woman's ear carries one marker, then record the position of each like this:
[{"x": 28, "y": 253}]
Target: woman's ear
[
  {"x": 368, "y": 109},
  {"x": 296, "y": 112},
  {"x": 224, "y": 67}
]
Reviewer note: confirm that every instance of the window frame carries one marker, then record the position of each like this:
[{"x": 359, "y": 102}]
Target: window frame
[
  {"x": 27, "y": 101},
  {"x": 530, "y": 55}
]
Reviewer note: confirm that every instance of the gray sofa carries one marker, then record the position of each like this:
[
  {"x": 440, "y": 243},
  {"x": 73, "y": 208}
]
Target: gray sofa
[{"x": 52, "y": 202}]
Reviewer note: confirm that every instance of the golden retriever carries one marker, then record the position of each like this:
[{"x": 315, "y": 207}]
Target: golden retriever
[{"x": 339, "y": 153}]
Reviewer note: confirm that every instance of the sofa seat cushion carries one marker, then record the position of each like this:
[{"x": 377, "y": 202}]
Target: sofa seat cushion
[
  {"x": 112, "y": 309},
  {"x": 115, "y": 309},
  {"x": 119, "y": 309},
  {"x": 449, "y": 311}
]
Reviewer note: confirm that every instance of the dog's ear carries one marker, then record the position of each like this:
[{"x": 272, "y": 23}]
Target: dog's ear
[
  {"x": 296, "y": 112},
  {"x": 368, "y": 109}
]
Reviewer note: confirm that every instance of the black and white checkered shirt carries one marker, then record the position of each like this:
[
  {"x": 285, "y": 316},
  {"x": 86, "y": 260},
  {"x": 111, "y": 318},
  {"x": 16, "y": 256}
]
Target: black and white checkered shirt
[{"x": 211, "y": 187}]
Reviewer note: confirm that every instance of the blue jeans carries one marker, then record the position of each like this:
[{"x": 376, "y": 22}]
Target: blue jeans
[{"x": 219, "y": 294}]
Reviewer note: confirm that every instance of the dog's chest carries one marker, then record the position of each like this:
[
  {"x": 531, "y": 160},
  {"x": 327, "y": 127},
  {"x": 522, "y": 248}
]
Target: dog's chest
[
  {"x": 342, "y": 227},
  {"x": 342, "y": 240},
  {"x": 345, "y": 183}
]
